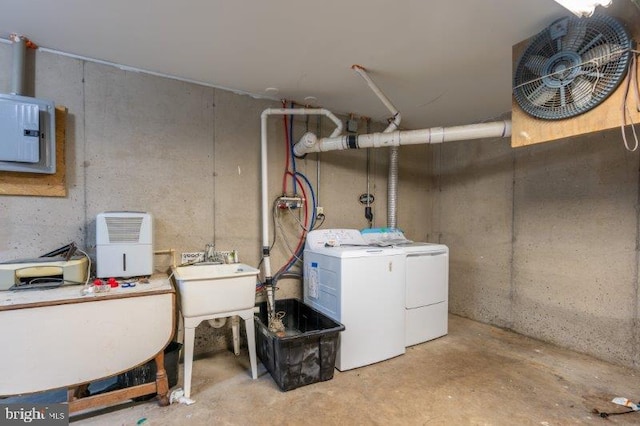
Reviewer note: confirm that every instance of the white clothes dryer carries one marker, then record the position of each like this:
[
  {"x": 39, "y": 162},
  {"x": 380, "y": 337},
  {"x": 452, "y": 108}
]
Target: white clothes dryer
[{"x": 426, "y": 284}]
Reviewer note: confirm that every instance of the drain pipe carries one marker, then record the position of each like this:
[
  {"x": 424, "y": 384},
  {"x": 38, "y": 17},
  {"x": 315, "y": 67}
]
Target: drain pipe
[
  {"x": 264, "y": 188},
  {"x": 19, "y": 47},
  {"x": 310, "y": 143},
  {"x": 394, "y": 123}
]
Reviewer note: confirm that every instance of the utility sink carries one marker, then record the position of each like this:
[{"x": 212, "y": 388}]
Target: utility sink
[{"x": 208, "y": 289}]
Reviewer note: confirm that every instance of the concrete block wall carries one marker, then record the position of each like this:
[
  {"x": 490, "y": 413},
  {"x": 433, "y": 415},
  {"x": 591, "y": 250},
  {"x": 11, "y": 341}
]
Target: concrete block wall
[
  {"x": 186, "y": 153},
  {"x": 543, "y": 239}
]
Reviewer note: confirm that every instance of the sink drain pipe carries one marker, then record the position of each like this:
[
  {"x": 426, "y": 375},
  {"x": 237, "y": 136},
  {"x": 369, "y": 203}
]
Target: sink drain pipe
[{"x": 266, "y": 262}]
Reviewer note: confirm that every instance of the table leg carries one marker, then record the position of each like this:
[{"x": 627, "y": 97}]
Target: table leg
[
  {"x": 162, "y": 382},
  {"x": 77, "y": 392}
]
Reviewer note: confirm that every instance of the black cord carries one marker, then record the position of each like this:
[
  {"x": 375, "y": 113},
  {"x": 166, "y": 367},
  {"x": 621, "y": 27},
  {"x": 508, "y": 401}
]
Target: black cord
[
  {"x": 318, "y": 225},
  {"x": 605, "y": 415}
]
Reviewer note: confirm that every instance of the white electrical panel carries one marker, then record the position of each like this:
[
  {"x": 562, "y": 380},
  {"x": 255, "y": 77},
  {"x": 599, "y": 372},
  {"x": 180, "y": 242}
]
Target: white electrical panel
[
  {"x": 20, "y": 128},
  {"x": 27, "y": 134}
]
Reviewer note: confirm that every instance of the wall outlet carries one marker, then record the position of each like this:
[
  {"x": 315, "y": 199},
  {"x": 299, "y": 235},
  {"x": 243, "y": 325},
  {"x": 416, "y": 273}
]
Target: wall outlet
[
  {"x": 352, "y": 125},
  {"x": 319, "y": 211},
  {"x": 192, "y": 257}
]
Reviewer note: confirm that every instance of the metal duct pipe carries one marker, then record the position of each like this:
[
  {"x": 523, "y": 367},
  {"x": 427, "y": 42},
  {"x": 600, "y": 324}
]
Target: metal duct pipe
[
  {"x": 392, "y": 189},
  {"x": 17, "y": 72}
]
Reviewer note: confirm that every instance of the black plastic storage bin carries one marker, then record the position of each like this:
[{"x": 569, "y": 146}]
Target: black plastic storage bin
[
  {"x": 146, "y": 373},
  {"x": 307, "y": 353}
]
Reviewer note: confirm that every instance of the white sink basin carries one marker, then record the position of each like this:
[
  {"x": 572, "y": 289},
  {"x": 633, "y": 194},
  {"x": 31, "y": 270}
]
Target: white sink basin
[{"x": 211, "y": 289}]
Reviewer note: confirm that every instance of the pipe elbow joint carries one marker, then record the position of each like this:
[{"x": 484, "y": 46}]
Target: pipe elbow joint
[
  {"x": 397, "y": 118},
  {"x": 305, "y": 145}
]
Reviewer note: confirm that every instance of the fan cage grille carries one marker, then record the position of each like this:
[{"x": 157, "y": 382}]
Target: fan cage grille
[{"x": 558, "y": 77}]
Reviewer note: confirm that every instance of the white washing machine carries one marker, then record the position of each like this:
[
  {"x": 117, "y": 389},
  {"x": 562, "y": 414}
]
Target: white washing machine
[
  {"x": 427, "y": 284},
  {"x": 361, "y": 287}
]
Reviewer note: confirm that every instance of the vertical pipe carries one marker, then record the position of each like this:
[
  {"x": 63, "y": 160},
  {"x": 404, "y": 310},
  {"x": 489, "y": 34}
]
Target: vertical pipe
[
  {"x": 367, "y": 210},
  {"x": 266, "y": 261},
  {"x": 392, "y": 188},
  {"x": 394, "y": 123},
  {"x": 264, "y": 185},
  {"x": 17, "y": 71},
  {"x": 265, "y": 220},
  {"x": 319, "y": 133}
]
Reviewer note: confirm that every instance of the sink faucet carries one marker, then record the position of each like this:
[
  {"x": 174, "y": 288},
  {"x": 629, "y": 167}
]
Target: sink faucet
[{"x": 209, "y": 252}]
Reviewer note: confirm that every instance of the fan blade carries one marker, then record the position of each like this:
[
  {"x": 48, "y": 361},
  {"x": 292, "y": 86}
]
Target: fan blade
[
  {"x": 594, "y": 74},
  {"x": 581, "y": 91},
  {"x": 602, "y": 54},
  {"x": 535, "y": 64},
  {"x": 541, "y": 95},
  {"x": 575, "y": 36}
]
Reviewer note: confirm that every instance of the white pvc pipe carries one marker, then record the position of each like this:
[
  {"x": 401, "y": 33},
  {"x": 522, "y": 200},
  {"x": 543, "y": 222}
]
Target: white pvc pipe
[
  {"x": 266, "y": 262},
  {"x": 395, "y": 114},
  {"x": 263, "y": 168},
  {"x": 309, "y": 143},
  {"x": 17, "y": 71},
  {"x": 263, "y": 155}
]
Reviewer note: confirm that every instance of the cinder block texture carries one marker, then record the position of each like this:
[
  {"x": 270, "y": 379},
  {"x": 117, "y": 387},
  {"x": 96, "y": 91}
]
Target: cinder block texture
[
  {"x": 544, "y": 239},
  {"x": 575, "y": 261},
  {"x": 473, "y": 216}
]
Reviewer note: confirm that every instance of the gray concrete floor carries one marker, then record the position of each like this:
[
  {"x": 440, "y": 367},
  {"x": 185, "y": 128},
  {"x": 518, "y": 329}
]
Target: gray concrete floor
[{"x": 476, "y": 375}]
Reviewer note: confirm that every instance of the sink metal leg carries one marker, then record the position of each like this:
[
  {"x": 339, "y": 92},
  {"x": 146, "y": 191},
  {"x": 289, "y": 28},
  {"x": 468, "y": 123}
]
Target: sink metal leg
[
  {"x": 235, "y": 328},
  {"x": 251, "y": 342},
  {"x": 189, "y": 337}
]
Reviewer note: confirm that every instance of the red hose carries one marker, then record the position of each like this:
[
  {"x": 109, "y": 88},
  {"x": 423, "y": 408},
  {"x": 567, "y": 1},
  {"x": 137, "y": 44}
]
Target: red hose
[{"x": 306, "y": 219}]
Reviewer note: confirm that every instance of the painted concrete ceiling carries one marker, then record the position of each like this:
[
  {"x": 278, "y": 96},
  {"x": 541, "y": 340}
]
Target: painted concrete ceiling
[{"x": 440, "y": 62}]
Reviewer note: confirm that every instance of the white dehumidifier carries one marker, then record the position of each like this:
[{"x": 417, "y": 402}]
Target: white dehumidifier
[{"x": 124, "y": 244}]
